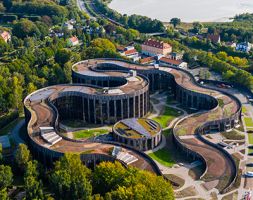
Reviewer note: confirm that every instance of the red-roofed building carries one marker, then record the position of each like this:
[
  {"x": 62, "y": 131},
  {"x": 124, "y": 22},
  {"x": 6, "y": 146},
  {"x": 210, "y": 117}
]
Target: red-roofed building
[
  {"x": 6, "y": 36},
  {"x": 148, "y": 60},
  {"x": 153, "y": 47},
  {"x": 73, "y": 41},
  {"x": 164, "y": 61},
  {"x": 129, "y": 52},
  {"x": 214, "y": 38}
]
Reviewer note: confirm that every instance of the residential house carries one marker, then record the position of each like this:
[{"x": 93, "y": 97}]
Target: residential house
[
  {"x": 165, "y": 61},
  {"x": 147, "y": 60},
  {"x": 244, "y": 47},
  {"x": 6, "y": 36},
  {"x": 68, "y": 25},
  {"x": 214, "y": 38},
  {"x": 230, "y": 44},
  {"x": 153, "y": 47},
  {"x": 73, "y": 41},
  {"x": 129, "y": 52}
]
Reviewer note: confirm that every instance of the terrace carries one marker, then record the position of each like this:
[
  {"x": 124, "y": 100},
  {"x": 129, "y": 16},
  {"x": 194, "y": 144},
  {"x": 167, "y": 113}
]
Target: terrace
[{"x": 137, "y": 128}]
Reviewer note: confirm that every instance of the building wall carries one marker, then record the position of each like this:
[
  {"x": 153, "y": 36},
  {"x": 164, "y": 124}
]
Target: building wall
[
  {"x": 141, "y": 144},
  {"x": 152, "y": 51}
]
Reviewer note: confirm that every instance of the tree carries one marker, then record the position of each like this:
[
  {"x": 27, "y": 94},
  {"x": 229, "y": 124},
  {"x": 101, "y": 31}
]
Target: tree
[
  {"x": 69, "y": 178},
  {"x": 22, "y": 156},
  {"x": 119, "y": 183},
  {"x": 6, "y": 176},
  {"x": 62, "y": 56},
  {"x": 103, "y": 44},
  {"x": 25, "y": 28},
  {"x": 4, "y": 46},
  {"x": 4, "y": 194},
  {"x": 7, "y": 4},
  {"x": 33, "y": 186},
  {"x": 197, "y": 27},
  {"x": 1, "y": 152},
  {"x": 175, "y": 22}
]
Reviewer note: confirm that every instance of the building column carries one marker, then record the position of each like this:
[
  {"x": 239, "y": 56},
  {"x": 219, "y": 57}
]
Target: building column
[
  {"x": 139, "y": 105},
  {"x": 115, "y": 110},
  {"x": 101, "y": 112},
  {"x": 128, "y": 108},
  {"x": 88, "y": 109},
  {"x": 94, "y": 106},
  {"x": 134, "y": 106},
  {"x": 122, "y": 111},
  {"x": 83, "y": 110},
  {"x": 108, "y": 110}
]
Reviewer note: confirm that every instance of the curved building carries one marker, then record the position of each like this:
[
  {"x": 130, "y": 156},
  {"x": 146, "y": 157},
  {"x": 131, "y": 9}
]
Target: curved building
[
  {"x": 139, "y": 133},
  {"x": 109, "y": 90}
]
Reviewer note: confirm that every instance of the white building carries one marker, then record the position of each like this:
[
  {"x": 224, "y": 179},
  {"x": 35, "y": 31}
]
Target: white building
[
  {"x": 164, "y": 61},
  {"x": 73, "y": 41},
  {"x": 6, "y": 36},
  {"x": 244, "y": 47},
  {"x": 130, "y": 52}
]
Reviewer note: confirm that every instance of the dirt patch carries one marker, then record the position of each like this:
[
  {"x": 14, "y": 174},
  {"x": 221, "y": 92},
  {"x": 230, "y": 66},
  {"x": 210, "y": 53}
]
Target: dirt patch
[
  {"x": 187, "y": 192},
  {"x": 214, "y": 196},
  {"x": 176, "y": 181},
  {"x": 232, "y": 196},
  {"x": 248, "y": 183},
  {"x": 210, "y": 185}
]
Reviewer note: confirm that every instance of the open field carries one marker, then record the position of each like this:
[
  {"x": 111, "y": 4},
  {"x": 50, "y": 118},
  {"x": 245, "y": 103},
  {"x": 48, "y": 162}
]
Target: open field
[
  {"x": 83, "y": 134},
  {"x": 163, "y": 156},
  {"x": 167, "y": 116}
]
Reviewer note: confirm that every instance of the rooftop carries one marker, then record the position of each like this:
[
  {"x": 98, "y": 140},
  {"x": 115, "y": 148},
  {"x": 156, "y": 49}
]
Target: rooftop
[
  {"x": 157, "y": 44},
  {"x": 137, "y": 128}
]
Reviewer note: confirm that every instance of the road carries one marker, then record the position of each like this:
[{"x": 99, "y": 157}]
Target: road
[{"x": 81, "y": 6}]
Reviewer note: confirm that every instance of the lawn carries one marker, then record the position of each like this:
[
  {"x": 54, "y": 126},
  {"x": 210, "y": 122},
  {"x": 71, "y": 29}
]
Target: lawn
[
  {"x": 248, "y": 121},
  {"x": 250, "y": 136},
  {"x": 163, "y": 156},
  {"x": 82, "y": 134},
  {"x": 5, "y": 130},
  {"x": 168, "y": 115},
  {"x": 167, "y": 132},
  {"x": 244, "y": 109}
]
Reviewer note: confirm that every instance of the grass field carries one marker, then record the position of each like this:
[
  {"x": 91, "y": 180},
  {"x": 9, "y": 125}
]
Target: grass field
[
  {"x": 248, "y": 121},
  {"x": 82, "y": 134},
  {"x": 250, "y": 136},
  {"x": 5, "y": 130},
  {"x": 167, "y": 132},
  {"x": 244, "y": 109},
  {"x": 168, "y": 115},
  {"x": 163, "y": 156}
]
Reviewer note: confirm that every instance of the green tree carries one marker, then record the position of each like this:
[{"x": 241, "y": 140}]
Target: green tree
[
  {"x": 25, "y": 28},
  {"x": 103, "y": 44},
  {"x": 70, "y": 178},
  {"x": 119, "y": 183},
  {"x": 175, "y": 22},
  {"x": 33, "y": 186},
  {"x": 62, "y": 56},
  {"x": 22, "y": 156},
  {"x": 6, "y": 176},
  {"x": 197, "y": 27},
  {"x": 1, "y": 152},
  {"x": 4, "y": 194}
]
